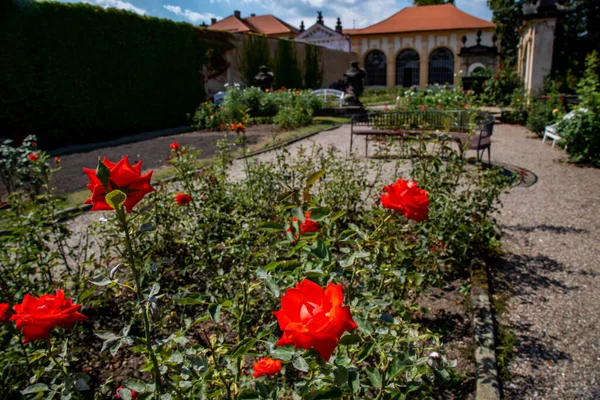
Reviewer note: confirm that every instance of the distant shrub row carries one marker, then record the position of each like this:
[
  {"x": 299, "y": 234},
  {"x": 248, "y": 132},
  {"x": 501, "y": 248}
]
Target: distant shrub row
[{"x": 76, "y": 73}]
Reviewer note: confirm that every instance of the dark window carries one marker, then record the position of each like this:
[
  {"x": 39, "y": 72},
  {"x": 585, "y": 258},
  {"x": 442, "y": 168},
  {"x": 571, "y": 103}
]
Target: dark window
[
  {"x": 407, "y": 69},
  {"x": 376, "y": 69},
  {"x": 441, "y": 67}
]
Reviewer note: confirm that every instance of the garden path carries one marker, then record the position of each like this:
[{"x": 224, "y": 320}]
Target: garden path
[{"x": 551, "y": 234}]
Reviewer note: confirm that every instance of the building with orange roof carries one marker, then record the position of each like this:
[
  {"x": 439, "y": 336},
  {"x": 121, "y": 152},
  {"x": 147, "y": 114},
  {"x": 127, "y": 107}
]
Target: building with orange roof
[
  {"x": 424, "y": 45},
  {"x": 268, "y": 25}
]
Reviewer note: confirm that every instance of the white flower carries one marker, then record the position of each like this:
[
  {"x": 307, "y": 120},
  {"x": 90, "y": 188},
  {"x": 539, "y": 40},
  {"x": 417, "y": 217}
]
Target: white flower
[
  {"x": 102, "y": 219},
  {"x": 227, "y": 85},
  {"x": 434, "y": 355}
]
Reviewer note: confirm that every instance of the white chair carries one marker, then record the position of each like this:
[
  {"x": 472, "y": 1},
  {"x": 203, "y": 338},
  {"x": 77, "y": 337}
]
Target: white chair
[
  {"x": 325, "y": 93},
  {"x": 550, "y": 131}
]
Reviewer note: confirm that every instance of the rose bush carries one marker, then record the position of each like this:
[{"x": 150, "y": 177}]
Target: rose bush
[{"x": 185, "y": 296}]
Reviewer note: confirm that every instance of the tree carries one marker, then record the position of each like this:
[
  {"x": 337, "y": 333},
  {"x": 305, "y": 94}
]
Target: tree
[
  {"x": 431, "y": 2},
  {"x": 506, "y": 16}
]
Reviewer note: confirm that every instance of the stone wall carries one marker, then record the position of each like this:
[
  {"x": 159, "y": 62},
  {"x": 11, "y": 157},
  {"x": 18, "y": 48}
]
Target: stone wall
[{"x": 334, "y": 63}]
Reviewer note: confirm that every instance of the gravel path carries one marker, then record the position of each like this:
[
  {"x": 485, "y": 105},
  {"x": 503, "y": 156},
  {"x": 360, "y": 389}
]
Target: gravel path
[{"x": 551, "y": 234}]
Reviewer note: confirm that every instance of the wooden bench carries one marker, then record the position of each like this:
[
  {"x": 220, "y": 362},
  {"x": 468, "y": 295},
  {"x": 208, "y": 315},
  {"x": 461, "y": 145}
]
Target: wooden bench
[{"x": 470, "y": 130}]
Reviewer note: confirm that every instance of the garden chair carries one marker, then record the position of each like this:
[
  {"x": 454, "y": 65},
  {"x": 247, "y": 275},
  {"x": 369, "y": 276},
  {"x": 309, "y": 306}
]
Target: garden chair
[{"x": 550, "y": 131}]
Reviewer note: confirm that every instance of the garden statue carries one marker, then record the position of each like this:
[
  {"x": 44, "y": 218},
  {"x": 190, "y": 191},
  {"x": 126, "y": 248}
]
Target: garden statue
[
  {"x": 264, "y": 79},
  {"x": 354, "y": 79}
]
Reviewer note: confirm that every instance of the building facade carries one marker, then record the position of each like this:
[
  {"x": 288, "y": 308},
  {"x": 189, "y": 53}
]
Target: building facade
[
  {"x": 321, "y": 35},
  {"x": 421, "y": 46}
]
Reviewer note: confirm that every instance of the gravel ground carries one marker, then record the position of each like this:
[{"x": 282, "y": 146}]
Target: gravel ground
[{"x": 551, "y": 234}]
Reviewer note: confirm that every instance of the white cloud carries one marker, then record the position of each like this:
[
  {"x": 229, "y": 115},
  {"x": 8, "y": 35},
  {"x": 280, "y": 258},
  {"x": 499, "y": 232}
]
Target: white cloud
[
  {"x": 120, "y": 4},
  {"x": 192, "y": 16}
]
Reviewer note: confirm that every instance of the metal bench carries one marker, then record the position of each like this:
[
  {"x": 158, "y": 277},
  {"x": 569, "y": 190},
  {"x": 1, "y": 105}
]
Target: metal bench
[
  {"x": 325, "y": 93},
  {"x": 470, "y": 130}
]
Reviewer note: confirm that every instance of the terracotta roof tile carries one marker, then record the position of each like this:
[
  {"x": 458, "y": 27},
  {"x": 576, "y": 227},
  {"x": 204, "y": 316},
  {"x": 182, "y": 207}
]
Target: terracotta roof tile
[
  {"x": 265, "y": 24},
  {"x": 425, "y": 18},
  {"x": 231, "y": 24},
  {"x": 269, "y": 25}
]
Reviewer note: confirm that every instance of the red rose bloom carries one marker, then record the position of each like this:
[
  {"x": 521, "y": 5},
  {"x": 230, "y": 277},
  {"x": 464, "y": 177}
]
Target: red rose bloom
[
  {"x": 36, "y": 317},
  {"x": 175, "y": 146},
  {"x": 439, "y": 107},
  {"x": 182, "y": 198},
  {"x": 407, "y": 198},
  {"x": 238, "y": 128},
  {"x": 307, "y": 226},
  {"x": 134, "y": 394},
  {"x": 313, "y": 317},
  {"x": 57, "y": 160},
  {"x": 4, "y": 312},
  {"x": 124, "y": 177},
  {"x": 266, "y": 366},
  {"x": 424, "y": 107},
  {"x": 34, "y": 156}
]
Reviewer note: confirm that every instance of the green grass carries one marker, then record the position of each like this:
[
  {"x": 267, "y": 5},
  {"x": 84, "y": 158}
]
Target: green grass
[{"x": 319, "y": 124}]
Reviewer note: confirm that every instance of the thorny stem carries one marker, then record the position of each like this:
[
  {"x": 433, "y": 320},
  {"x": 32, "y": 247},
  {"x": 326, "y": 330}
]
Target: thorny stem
[
  {"x": 381, "y": 225},
  {"x": 241, "y": 329},
  {"x": 214, "y": 357},
  {"x": 63, "y": 370},
  {"x": 138, "y": 290}
]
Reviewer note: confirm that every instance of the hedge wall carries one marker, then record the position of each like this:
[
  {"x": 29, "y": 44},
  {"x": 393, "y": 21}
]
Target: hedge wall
[{"x": 76, "y": 73}]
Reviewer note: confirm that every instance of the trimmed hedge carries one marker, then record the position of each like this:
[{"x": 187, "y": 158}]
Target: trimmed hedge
[{"x": 76, "y": 73}]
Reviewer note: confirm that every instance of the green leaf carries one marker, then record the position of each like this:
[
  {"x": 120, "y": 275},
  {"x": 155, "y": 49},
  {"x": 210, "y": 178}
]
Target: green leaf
[
  {"x": 297, "y": 212},
  {"x": 317, "y": 214},
  {"x": 248, "y": 394},
  {"x": 188, "y": 298},
  {"x": 326, "y": 393},
  {"x": 116, "y": 199},
  {"x": 100, "y": 280},
  {"x": 340, "y": 376},
  {"x": 136, "y": 385},
  {"x": 271, "y": 227},
  {"x": 272, "y": 286},
  {"x": 349, "y": 339},
  {"x": 365, "y": 351},
  {"x": 37, "y": 388},
  {"x": 374, "y": 376},
  {"x": 363, "y": 324},
  {"x": 103, "y": 174},
  {"x": 185, "y": 384},
  {"x": 387, "y": 318},
  {"x": 320, "y": 250},
  {"x": 313, "y": 178},
  {"x": 243, "y": 347},
  {"x": 337, "y": 215},
  {"x": 215, "y": 311},
  {"x": 300, "y": 364},
  {"x": 358, "y": 231},
  {"x": 272, "y": 266},
  {"x": 284, "y": 353},
  {"x": 106, "y": 335}
]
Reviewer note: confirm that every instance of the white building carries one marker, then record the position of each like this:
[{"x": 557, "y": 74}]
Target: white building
[{"x": 321, "y": 35}]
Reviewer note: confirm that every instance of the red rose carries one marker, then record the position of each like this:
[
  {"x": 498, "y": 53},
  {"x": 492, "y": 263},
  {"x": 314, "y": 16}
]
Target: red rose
[
  {"x": 133, "y": 393},
  {"x": 266, "y": 366},
  {"x": 407, "y": 198},
  {"x": 36, "y": 317},
  {"x": 34, "y": 156},
  {"x": 182, "y": 198},
  {"x": 238, "y": 128},
  {"x": 4, "y": 312},
  {"x": 313, "y": 317},
  {"x": 439, "y": 107},
  {"x": 307, "y": 226},
  {"x": 57, "y": 160},
  {"x": 175, "y": 146},
  {"x": 424, "y": 107},
  {"x": 34, "y": 145},
  {"x": 124, "y": 177},
  {"x": 562, "y": 99}
]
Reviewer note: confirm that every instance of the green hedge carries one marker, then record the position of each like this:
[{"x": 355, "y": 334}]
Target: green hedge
[{"x": 76, "y": 73}]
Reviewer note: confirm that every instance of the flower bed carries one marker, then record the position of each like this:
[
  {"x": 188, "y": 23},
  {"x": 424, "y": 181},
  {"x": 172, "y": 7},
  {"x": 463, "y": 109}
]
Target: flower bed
[{"x": 300, "y": 281}]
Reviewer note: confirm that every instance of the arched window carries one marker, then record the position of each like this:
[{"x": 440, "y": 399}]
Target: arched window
[
  {"x": 407, "y": 69},
  {"x": 376, "y": 69},
  {"x": 441, "y": 67}
]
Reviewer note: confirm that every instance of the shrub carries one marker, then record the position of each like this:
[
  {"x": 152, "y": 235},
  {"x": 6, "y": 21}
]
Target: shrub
[
  {"x": 77, "y": 73},
  {"x": 581, "y": 134},
  {"x": 499, "y": 88},
  {"x": 435, "y": 98},
  {"x": 208, "y": 116}
]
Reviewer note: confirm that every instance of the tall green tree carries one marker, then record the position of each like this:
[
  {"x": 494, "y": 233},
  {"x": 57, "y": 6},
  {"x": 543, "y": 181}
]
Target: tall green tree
[
  {"x": 431, "y": 2},
  {"x": 506, "y": 16}
]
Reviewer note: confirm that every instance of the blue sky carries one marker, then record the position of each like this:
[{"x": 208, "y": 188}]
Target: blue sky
[{"x": 354, "y": 13}]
